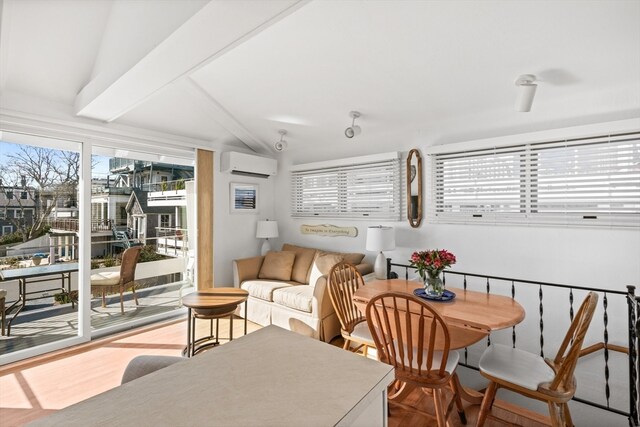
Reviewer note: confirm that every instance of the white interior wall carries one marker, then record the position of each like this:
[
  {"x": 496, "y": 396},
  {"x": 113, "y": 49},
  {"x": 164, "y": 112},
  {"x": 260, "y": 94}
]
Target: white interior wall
[{"x": 235, "y": 233}]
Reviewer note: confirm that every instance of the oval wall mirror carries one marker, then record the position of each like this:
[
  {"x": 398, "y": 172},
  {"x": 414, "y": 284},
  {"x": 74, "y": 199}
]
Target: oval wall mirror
[{"x": 414, "y": 188}]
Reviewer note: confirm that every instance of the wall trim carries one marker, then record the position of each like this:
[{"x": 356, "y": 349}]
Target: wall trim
[
  {"x": 583, "y": 131},
  {"x": 346, "y": 161}
]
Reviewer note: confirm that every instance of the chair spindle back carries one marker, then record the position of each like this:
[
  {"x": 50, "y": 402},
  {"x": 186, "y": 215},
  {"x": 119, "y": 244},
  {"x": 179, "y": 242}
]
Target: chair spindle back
[
  {"x": 567, "y": 357},
  {"x": 344, "y": 280},
  {"x": 407, "y": 332}
]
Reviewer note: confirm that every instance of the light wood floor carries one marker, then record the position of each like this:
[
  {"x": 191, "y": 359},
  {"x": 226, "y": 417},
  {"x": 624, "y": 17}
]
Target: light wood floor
[{"x": 40, "y": 386}]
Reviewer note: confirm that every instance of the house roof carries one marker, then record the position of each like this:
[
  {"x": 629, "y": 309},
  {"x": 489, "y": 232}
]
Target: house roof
[
  {"x": 420, "y": 72},
  {"x": 140, "y": 197}
]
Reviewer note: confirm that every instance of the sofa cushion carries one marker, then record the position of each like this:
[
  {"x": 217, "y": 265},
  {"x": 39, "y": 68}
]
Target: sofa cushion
[
  {"x": 322, "y": 264},
  {"x": 302, "y": 263},
  {"x": 352, "y": 258},
  {"x": 295, "y": 297},
  {"x": 106, "y": 278},
  {"x": 263, "y": 289},
  {"x": 277, "y": 266}
]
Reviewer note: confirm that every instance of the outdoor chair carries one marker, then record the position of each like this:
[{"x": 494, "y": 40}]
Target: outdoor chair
[
  {"x": 550, "y": 381},
  {"x": 413, "y": 338},
  {"x": 125, "y": 278},
  {"x": 344, "y": 280},
  {"x": 143, "y": 365}
]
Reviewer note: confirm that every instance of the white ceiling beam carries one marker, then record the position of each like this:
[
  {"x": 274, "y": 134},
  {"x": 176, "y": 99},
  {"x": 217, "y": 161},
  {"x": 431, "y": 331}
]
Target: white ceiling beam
[
  {"x": 225, "y": 119},
  {"x": 215, "y": 29}
]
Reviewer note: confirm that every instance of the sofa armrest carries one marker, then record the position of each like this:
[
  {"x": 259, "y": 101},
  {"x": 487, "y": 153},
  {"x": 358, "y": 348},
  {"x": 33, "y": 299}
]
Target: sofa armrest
[
  {"x": 246, "y": 269},
  {"x": 322, "y": 306}
]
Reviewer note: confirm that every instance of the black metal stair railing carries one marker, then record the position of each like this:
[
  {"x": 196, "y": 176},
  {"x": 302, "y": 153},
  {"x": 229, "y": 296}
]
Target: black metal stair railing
[{"x": 633, "y": 318}]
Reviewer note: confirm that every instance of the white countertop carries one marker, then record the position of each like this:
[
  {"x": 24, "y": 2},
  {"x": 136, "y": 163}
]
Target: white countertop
[{"x": 271, "y": 377}]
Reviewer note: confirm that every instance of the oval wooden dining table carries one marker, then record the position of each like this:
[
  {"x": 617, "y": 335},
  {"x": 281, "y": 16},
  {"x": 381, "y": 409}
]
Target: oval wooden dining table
[{"x": 470, "y": 316}]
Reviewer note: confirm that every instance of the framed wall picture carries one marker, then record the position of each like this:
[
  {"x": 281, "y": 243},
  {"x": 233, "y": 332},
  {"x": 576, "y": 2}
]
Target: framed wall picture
[{"x": 244, "y": 198}]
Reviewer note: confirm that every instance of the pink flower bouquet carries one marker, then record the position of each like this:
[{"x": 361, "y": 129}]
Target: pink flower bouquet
[{"x": 431, "y": 263}]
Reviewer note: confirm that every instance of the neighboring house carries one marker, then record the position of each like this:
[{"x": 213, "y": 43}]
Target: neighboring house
[
  {"x": 146, "y": 221},
  {"x": 16, "y": 207},
  {"x": 121, "y": 199}
]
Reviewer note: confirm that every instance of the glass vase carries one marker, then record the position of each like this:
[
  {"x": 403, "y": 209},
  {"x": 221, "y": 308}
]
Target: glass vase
[{"x": 434, "y": 286}]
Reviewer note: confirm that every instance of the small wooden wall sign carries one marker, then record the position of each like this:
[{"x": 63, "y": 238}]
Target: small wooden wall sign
[{"x": 329, "y": 230}]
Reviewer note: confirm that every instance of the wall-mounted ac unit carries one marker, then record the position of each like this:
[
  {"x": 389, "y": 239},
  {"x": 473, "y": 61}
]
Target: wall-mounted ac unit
[{"x": 248, "y": 164}]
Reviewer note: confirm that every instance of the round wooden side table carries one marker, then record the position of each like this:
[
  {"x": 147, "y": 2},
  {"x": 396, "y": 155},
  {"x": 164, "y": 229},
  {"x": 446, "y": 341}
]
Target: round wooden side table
[{"x": 211, "y": 304}]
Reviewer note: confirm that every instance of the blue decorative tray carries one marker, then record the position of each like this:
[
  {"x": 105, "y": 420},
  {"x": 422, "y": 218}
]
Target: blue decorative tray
[{"x": 446, "y": 296}]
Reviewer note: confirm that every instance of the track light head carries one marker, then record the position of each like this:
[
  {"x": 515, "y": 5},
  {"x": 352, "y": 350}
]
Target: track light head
[
  {"x": 353, "y": 130},
  {"x": 526, "y": 92},
  {"x": 281, "y": 145}
]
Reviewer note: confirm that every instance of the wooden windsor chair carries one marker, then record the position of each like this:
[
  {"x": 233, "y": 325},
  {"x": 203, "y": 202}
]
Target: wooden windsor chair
[
  {"x": 550, "y": 381},
  {"x": 344, "y": 280},
  {"x": 412, "y": 337}
]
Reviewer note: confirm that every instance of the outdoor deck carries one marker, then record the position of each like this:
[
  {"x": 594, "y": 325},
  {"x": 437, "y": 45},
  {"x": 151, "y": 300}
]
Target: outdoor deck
[{"x": 41, "y": 322}]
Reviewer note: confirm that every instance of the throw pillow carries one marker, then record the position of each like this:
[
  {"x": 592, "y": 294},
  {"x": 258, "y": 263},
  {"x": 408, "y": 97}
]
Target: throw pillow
[
  {"x": 322, "y": 264},
  {"x": 277, "y": 266},
  {"x": 302, "y": 264},
  {"x": 353, "y": 258}
]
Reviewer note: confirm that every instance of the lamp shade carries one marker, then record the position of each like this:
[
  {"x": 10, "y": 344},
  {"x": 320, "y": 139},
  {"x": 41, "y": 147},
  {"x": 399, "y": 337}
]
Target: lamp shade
[
  {"x": 381, "y": 239},
  {"x": 267, "y": 229}
]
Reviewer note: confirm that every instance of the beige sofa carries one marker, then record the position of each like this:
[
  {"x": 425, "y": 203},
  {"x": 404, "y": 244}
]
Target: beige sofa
[{"x": 289, "y": 289}]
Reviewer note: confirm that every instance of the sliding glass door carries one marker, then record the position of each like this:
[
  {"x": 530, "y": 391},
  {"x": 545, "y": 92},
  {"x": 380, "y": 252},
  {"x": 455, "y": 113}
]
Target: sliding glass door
[
  {"x": 139, "y": 202},
  {"x": 68, "y": 213},
  {"x": 40, "y": 244}
]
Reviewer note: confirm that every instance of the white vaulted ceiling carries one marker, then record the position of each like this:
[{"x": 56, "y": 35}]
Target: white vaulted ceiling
[{"x": 421, "y": 72}]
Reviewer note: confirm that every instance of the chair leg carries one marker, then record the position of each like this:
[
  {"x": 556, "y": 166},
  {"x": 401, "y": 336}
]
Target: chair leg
[
  {"x": 3, "y": 317},
  {"x": 487, "y": 402},
  {"x": 554, "y": 413},
  {"x": 104, "y": 298},
  {"x": 453, "y": 383},
  {"x": 567, "y": 415},
  {"x": 133, "y": 291},
  {"x": 440, "y": 412},
  {"x": 365, "y": 350},
  {"x": 122, "y": 300},
  {"x": 346, "y": 344}
]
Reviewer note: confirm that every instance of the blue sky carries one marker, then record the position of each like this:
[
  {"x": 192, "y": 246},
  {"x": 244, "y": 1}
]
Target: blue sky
[{"x": 100, "y": 168}]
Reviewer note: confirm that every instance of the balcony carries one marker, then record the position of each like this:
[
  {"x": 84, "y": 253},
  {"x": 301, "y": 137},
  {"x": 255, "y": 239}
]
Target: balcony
[
  {"x": 71, "y": 224},
  {"x": 168, "y": 193},
  {"x": 49, "y": 316}
]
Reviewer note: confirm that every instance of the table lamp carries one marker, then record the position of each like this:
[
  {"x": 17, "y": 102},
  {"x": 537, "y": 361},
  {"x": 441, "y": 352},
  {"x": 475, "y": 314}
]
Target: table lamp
[
  {"x": 380, "y": 239},
  {"x": 266, "y": 230}
]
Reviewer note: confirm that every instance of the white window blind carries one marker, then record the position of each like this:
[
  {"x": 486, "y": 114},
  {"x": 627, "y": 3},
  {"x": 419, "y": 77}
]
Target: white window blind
[
  {"x": 369, "y": 189},
  {"x": 586, "y": 181}
]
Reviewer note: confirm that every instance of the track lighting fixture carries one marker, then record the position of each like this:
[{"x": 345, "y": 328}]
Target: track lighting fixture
[
  {"x": 353, "y": 130},
  {"x": 282, "y": 144},
  {"x": 526, "y": 92}
]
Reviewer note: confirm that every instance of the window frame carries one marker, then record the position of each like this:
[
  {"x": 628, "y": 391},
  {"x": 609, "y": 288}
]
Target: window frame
[
  {"x": 583, "y": 181},
  {"x": 365, "y": 187}
]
